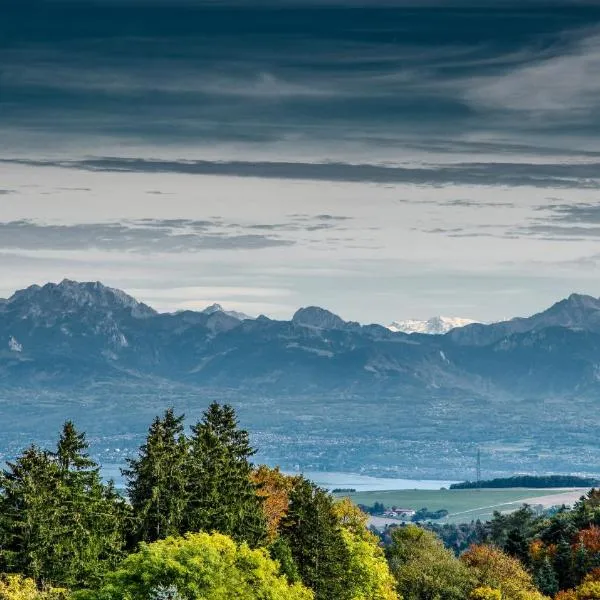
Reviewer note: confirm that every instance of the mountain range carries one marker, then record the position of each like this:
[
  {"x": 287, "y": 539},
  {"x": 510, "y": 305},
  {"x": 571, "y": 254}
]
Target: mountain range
[
  {"x": 514, "y": 376},
  {"x": 67, "y": 332}
]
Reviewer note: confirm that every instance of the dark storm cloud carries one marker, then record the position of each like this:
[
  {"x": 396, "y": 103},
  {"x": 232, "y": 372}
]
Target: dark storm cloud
[
  {"x": 584, "y": 176},
  {"x": 141, "y": 236},
  {"x": 434, "y": 72}
]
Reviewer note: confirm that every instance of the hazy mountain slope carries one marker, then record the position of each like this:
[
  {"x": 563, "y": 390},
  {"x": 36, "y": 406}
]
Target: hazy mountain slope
[{"x": 577, "y": 312}]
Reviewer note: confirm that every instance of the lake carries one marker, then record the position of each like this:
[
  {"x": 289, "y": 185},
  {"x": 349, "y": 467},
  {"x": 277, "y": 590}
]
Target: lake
[{"x": 331, "y": 480}]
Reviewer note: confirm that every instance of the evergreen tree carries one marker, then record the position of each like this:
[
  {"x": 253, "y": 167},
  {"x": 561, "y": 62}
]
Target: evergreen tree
[
  {"x": 563, "y": 564},
  {"x": 29, "y": 513},
  {"x": 545, "y": 578},
  {"x": 60, "y": 523},
  {"x": 156, "y": 480},
  {"x": 516, "y": 546},
  {"x": 314, "y": 535},
  {"x": 93, "y": 515},
  {"x": 581, "y": 562},
  {"x": 222, "y": 496}
]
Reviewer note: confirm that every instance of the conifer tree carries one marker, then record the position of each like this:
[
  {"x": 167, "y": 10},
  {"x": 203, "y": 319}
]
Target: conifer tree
[
  {"x": 563, "y": 564},
  {"x": 545, "y": 578},
  {"x": 314, "y": 535},
  {"x": 221, "y": 494},
  {"x": 156, "y": 480},
  {"x": 93, "y": 516},
  {"x": 29, "y": 513},
  {"x": 60, "y": 524}
]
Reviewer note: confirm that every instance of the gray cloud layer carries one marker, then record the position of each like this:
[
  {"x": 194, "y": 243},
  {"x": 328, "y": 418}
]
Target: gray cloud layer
[
  {"x": 585, "y": 175},
  {"x": 141, "y": 236}
]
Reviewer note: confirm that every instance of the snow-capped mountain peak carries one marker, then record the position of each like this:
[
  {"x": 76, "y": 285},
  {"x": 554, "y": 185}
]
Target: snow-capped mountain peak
[{"x": 433, "y": 326}]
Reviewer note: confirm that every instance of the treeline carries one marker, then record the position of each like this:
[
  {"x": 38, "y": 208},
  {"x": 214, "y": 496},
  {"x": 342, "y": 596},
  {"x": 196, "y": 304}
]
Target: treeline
[
  {"x": 529, "y": 481},
  {"x": 201, "y": 522}
]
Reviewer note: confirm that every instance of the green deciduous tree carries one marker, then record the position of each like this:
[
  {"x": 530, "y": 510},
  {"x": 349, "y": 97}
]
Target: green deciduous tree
[
  {"x": 199, "y": 566},
  {"x": 369, "y": 576},
  {"x": 424, "y": 569}
]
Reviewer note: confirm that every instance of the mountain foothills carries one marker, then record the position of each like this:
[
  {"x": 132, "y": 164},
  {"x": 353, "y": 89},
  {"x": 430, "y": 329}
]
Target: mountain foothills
[
  {"x": 62, "y": 333},
  {"x": 324, "y": 393}
]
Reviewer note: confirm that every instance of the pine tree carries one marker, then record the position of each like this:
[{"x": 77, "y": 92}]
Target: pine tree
[
  {"x": 222, "y": 496},
  {"x": 314, "y": 536},
  {"x": 156, "y": 480}
]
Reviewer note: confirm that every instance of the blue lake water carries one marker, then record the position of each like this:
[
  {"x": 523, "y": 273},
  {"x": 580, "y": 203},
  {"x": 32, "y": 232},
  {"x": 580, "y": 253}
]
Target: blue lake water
[{"x": 331, "y": 480}]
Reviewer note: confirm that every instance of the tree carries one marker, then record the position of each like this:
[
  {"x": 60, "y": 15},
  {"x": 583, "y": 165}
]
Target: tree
[
  {"x": 315, "y": 538},
  {"x": 369, "y": 576},
  {"x": 424, "y": 569},
  {"x": 156, "y": 480},
  {"x": 563, "y": 564},
  {"x": 29, "y": 513},
  {"x": 198, "y": 566},
  {"x": 17, "y": 587},
  {"x": 493, "y": 568},
  {"x": 545, "y": 578},
  {"x": 60, "y": 524},
  {"x": 221, "y": 494},
  {"x": 516, "y": 545},
  {"x": 274, "y": 488}
]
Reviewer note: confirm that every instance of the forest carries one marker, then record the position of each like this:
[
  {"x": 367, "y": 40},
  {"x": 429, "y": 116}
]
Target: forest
[{"x": 200, "y": 521}]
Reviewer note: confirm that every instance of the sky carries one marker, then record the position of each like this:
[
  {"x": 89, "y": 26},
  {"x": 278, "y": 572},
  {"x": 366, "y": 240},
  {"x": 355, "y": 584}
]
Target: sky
[{"x": 386, "y": 161}]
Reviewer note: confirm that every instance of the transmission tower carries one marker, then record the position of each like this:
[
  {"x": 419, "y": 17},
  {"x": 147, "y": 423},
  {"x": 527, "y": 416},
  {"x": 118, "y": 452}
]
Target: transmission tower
[{"x": 478, "y": 468}]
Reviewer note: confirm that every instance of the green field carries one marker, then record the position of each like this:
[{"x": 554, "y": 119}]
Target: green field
[{"x": 463, "y": 505}]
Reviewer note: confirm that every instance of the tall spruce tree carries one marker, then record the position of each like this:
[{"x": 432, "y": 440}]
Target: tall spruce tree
[
  {"x": 221, "y": 494},
  {"x": 545, "y": 578},
  {"x": 29, "y": 513},
  {"x": 314, "y": 536},
  {"x": 60, "y": 524},
  {"x": 156, "y": 480},
  {"x": 93, "y": 515},
  {"x": 563, "y": 564}
]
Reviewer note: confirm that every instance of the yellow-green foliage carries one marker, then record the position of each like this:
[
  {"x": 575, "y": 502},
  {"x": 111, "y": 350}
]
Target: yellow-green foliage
[
  {"x": 369, "y": 577},
  {"x": 495, "y": 569},
  {"x": 199, "y": 566},
  {"x": 485, "y": 593},
  {"x": 16, "y": 587},
  {"x": 425, "y": 569},
  {"x": 588, "y": 590}
]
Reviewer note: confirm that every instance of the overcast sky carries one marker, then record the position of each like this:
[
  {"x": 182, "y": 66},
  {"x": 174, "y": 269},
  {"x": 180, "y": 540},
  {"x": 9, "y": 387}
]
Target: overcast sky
[{"x": 385, "y": 162}]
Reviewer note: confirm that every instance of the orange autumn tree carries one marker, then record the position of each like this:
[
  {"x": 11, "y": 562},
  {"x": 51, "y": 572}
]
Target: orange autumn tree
[
  {"x": 275, "y": 487},
  {"x": 589, "y": 538}
]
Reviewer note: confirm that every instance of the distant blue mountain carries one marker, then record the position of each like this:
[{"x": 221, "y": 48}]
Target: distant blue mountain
[{"x": 67, "y": 333}]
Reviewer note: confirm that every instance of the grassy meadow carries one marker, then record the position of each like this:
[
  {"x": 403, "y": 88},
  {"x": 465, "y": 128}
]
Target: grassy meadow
[{"x": 464, "y": 505}]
